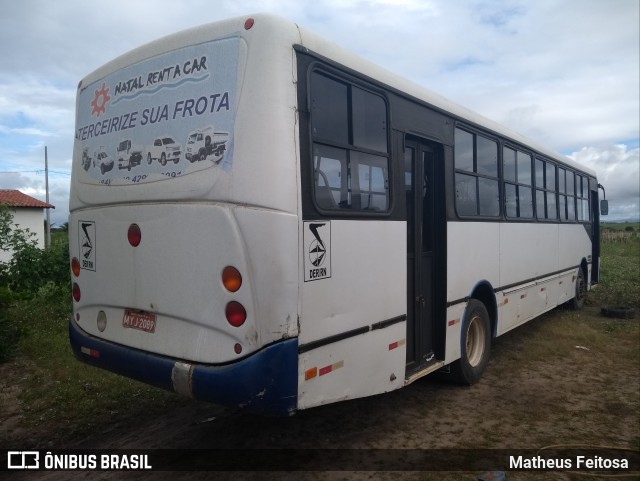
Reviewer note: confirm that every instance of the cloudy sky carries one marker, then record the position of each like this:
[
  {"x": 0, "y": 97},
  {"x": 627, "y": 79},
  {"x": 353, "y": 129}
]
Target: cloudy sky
[{"x": 562, "y": 72}]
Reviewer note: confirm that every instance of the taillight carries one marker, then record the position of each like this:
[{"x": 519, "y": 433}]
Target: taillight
[
  {"x": 76, "y": 292},
  {"x": 236, "y": 314},
  {"x": 134, "y": 235},
  {"x": 231, "y": 278},
  {"x": 75, "y": 266},
  {"x": 249, "y": 23}
]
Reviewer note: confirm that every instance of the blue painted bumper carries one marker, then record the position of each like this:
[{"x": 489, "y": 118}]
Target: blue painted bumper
[{"x": 265, "y": 382}]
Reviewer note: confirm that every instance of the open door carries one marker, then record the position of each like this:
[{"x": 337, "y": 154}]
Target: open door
[{"x": 426, "y": 231}]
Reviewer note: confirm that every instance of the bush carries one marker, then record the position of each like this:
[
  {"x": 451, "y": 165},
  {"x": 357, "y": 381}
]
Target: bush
[
  {"x": 9, "y": 331},
  {"x": 30, "y": 268},
  {"x": 36, "y": 283}
]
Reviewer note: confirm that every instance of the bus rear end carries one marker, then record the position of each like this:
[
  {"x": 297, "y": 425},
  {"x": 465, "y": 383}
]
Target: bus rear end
[{"x": 185, "y": 267}]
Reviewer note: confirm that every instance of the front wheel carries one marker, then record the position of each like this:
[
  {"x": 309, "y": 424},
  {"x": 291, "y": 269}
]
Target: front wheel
[
  {"x": 577, "y": 302},
  {"x": 475, "y": 344}
]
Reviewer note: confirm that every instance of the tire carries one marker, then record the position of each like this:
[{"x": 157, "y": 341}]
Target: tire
[
  {"x": 203, "y": 154},
  {"x": 475, "y": 345},
  {"x": 577, "y": 302},
  {"x": 163, "y": 159},
  {"x": 149, "y": 159},
  {"x": 619, "y": 312}
]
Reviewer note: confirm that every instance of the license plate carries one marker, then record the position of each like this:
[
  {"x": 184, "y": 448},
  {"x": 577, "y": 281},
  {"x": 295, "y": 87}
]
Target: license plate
[{"x": 143, "y": 321}]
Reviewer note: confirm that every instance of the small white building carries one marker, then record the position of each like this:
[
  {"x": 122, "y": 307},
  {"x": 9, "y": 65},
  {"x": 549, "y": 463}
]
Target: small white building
[{"x": 27, "y": 214}]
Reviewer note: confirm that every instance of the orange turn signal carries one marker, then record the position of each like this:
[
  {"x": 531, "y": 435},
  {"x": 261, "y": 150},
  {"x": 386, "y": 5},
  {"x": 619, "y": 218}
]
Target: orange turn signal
[{"x": 231, "y": 278}]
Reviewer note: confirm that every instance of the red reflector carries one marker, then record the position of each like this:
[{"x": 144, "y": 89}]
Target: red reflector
[
  {"x": 76, "y": 292},
  {"x": 237, "y": 348},
  {"x": 249, "y": 23},
  {"x": 236, "y": 314},
  {"x": 134, "y": 235},
  {"x": 90, "y": 352},
  {"x": 75, "y": 266}
]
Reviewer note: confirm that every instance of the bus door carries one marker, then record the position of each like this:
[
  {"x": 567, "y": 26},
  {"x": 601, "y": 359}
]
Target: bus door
[{"x": 423, "y": 190}]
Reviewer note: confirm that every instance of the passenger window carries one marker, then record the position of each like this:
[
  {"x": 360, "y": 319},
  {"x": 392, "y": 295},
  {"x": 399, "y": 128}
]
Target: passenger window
[
  {"x": 371, "y": 193},
  {"x": 464, "y": 150},
  {"x": 369, "y": 120},
  {"x": 349, "y": 124},
  {"x": 329, "y": 109},
  {"x": 477, "y": 186},
  {"x": 517, "y": 190},
  {"x": 546, "y": 193},
  {"x": 329, "y": 164}
]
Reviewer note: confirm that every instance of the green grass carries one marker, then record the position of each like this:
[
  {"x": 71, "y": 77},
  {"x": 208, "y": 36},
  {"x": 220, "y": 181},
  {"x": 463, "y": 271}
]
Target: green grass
[
  {"x": 620, "y": 275},
  {"x": 58, "y": 390},
  {"x": 621, "y": 226}
]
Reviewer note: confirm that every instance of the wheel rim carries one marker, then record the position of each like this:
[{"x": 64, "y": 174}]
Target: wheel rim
[{"x": 475, "y": 341}]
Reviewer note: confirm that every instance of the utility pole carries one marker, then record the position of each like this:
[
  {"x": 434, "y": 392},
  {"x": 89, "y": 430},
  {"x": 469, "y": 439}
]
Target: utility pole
[{"x": 46, "y": 183}]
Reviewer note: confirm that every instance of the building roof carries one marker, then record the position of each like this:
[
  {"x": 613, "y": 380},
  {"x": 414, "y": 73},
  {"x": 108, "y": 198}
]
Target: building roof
[{"x": 15, "y": 198}]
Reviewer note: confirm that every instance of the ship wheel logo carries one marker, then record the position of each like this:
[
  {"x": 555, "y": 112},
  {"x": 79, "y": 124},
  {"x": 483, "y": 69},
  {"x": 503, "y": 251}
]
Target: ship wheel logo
[
  {"x": 317, "y": 249},
  {"x": 100, "y": 100}
]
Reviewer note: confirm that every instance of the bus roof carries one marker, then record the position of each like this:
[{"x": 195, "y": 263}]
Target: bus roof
[
  {"x": 288, "y": 31},
  {"x": 321, "y": 46}
]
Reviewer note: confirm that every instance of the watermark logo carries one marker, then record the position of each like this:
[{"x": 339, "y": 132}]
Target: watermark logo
[{"x": 23, "y": 460}]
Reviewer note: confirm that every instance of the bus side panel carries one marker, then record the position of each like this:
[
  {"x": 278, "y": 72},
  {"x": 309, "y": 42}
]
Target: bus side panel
[
  {"x": 364, "y": 284},
  {"x": 528, "y": 251},
  {"x": 538, "y": 262},
  {"x": 271, "y": 243},
  {"x": 454, "y": 332},
  {"x": 364, "y": 365},
  {"x": 473, "y": 255}
]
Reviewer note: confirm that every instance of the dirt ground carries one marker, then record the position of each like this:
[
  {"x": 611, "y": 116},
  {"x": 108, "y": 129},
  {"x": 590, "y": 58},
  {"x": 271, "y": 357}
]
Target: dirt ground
[{"x": 581, "y": 397}]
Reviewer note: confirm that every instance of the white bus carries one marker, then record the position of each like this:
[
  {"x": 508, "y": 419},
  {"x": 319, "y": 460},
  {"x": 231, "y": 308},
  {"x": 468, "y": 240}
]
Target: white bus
[{"x": 356, "y": 233}]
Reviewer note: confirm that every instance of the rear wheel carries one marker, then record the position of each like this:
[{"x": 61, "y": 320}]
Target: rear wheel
[{"x": 475, "y": 344}]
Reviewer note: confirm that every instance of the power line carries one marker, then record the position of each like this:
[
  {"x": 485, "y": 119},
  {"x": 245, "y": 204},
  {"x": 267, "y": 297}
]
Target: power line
[{"x": 33, "y": 172}]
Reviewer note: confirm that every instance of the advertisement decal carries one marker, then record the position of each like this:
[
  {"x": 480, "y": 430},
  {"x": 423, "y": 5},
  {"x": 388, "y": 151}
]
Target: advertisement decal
[{"x": 163, "y": 117}]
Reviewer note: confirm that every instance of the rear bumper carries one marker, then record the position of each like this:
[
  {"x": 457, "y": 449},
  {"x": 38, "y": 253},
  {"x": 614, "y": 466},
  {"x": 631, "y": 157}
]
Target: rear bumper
[{"x": 264, "y": 383}]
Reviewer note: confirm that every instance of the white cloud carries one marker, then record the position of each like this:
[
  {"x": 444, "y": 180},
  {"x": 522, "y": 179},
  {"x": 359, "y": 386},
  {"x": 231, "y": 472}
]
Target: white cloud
[{"x": 618, "y": 169}]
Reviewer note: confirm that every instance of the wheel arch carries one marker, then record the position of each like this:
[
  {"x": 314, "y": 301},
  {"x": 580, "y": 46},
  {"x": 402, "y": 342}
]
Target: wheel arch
[{"x": 484, "y": 292}]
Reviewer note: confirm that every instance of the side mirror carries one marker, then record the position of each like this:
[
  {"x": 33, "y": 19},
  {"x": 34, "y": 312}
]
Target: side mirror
[{"x": 604, "y": 207}]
